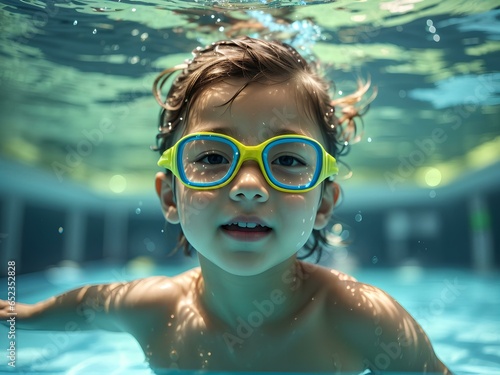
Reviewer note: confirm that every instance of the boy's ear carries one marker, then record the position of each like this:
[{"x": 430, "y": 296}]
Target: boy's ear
[
  {"x": 165, "y": 191},
  {"x": 331, "y": 192}
]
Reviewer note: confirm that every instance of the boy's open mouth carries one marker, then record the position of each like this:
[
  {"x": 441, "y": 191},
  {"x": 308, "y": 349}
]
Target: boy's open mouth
[{"x": 246, "y": 227}]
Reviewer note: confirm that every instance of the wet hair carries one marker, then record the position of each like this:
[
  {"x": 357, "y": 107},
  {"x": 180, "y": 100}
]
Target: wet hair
[{"x": 256, "y": 61}]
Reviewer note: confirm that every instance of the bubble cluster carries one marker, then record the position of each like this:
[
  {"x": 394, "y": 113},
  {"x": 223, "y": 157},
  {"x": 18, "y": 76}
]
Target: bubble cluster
[
  {"x": 432, "y": 29},
  {"x": 303, "y": 34}
]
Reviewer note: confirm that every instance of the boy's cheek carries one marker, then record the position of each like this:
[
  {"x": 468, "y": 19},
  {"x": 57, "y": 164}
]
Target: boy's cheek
[
  {"x": 193, "y": 203},
  {"x": 300, "y": 212},
  {"x": 303, "y": 206}
]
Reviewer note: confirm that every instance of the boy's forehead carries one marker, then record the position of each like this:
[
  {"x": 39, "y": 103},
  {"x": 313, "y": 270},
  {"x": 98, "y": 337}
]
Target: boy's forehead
[{"x": 265, "y": 109}]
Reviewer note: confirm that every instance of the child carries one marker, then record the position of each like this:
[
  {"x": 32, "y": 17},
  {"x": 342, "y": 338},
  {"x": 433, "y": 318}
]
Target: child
[{"x": 249, "y": 136}]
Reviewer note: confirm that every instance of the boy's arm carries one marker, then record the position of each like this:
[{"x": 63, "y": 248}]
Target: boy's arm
[
  {"x": 386, "y": 335},
  {"x": 85, "y": 308},
  {"x": 402, "y": 344}
]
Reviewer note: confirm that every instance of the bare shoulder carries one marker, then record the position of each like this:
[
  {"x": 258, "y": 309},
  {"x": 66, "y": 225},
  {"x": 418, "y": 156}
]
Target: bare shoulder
[
  {"x": 156, "y": 291},
  {"x": 145, "y": 302},
  {"x": 369, "y": 319}
]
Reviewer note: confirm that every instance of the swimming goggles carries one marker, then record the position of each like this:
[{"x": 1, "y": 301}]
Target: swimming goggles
[{"x": 289, "y": 163}]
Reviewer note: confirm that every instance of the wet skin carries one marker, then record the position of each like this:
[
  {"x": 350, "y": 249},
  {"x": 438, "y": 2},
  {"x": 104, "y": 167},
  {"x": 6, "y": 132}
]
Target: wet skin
[{"x": 327, "y": 322}]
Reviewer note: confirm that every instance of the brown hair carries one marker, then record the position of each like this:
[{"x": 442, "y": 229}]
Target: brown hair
[{"x": 267, "y": 62}]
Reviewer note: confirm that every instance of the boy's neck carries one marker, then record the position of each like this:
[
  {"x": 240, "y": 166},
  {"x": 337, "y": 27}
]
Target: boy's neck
[{"x": 273, "y": 294}]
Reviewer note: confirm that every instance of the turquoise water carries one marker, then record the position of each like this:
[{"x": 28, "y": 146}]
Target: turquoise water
[
  {"x": 458, "y": 309},
  {"x": 74, "y": 68}
]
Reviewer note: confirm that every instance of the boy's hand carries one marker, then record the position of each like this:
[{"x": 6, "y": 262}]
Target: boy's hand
[
  {"x": 5, "y": 310},
  {"x": 22, "y": 311}
]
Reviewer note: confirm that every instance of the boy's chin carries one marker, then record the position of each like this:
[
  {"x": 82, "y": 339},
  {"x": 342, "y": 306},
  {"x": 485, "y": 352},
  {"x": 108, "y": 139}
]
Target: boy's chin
[{"x": 246, "y": 263}]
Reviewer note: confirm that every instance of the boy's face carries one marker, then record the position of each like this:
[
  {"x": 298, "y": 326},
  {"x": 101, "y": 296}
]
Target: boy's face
[{"x": 279, "y": 224}]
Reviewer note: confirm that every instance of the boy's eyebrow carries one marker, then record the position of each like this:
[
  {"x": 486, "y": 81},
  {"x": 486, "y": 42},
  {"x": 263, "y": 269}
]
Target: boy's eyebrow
[
  {"x": 286, "y": 132},
  {"x": 222, "y": 130},
  {"x": 230, "y": 131}
]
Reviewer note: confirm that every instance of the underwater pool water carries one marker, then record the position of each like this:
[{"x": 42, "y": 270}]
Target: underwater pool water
[
  {"x": 82, "y": 71},
  {"x": 457, "y": 308}
]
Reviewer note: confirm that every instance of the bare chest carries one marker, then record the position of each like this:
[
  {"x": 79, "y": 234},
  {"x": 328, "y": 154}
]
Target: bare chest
[{"x": 188, "y": 341}]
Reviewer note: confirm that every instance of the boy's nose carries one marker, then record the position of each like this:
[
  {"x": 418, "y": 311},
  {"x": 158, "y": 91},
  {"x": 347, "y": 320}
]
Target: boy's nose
[{"x": 249, "y": 184}]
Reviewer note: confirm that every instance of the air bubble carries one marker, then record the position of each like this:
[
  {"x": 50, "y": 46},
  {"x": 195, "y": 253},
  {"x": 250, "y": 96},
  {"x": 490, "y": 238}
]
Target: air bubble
[
  {"x": 60, "y": 230},
  {"x": 75, "y": 22},
  {"x": 375, "y": 259},
  {"x": 358, "y": 217},
  {"x": 94, "y": 32},
  {"x": 137, "y": 210}
]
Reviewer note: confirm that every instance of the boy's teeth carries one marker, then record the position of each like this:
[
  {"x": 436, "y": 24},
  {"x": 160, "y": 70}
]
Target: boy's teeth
[{"x": 246, "y": 225}]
